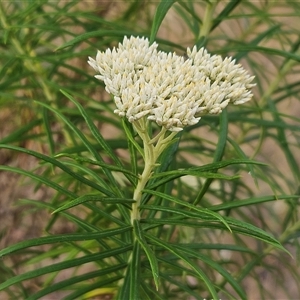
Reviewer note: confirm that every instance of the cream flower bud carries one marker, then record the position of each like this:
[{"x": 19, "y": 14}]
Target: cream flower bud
[{"x": 166, "y": 88}]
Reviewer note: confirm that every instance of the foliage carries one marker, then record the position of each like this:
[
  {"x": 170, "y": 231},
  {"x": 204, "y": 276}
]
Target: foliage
[{"x": 221, "y": 209}]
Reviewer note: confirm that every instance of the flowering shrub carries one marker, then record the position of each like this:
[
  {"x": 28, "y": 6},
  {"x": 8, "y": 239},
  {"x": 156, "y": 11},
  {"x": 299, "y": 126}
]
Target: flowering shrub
[{"x": 136, "y": 197}]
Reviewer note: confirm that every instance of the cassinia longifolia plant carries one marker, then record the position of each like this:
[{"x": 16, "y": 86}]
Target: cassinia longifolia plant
[
  {"x": 150, "y": 85},
  {"x": 151, "y": 188}
]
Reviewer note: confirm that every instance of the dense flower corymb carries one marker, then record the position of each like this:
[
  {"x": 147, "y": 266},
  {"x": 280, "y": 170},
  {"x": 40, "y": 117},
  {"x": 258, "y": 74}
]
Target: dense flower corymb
[{"x": 165, "y": 87}]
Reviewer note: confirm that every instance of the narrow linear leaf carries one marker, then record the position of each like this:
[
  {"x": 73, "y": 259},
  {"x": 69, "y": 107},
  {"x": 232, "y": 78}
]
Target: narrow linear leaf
[
  {"x": 168, "y": 155},
  {"x": 97, "y": 163},
  {"x": 85, "y": 141},
  {"x": 265, "y": 34},
  {"x": 160, "y": 13},
  {"x": 17, "y": 134},
  {"x": 135, "y": 272},
  {"x": 218, "y": 152},
  {"x": 63, "y": 238},
  {"x": 265, "y": 50},
  {"x": 48, "y": 130},
  {"x": 200, "y": 211},
  {"x": 94, "y": 130},
  {"x": 77, "y": 279},
  {"x": 91, "y": 288},
  {"x": 93, "y": 34},
  {"x": 124, "y": 289},
  {"x": 255, "y": 232},
  {"x": 237, "y": 227},
  {"x": 64, "y": 265},
  {"x": 182, "y": 212},
  {"x": 186, "y": 260},
  {"x": 129, "y": 133},
  {"x": 181, "y": 285},
  {"x": 210, "y": 167},
  {"x": 215, "y": 266},
  {"x": 206, "y": 169},
  {"x": 133, "y": 161},
  {"x": 81, "y": 223},
  {"x": 230, "y": 247},
  {"x": 139, "y": 235},
  {"x": 38, "y": 178},
  {"x": 92, "y": 197},
  {"x": 230, "y": 6},
  {"x": 151, "y": 293},
  {"x": 241, "y": 153},
  {"x": 61, "y": 166},
  {"x": 251, "y": 201}
]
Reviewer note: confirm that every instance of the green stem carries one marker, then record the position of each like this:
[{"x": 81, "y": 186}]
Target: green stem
[
  {"x": 208, "y": 19},
  {"x": 150, "y": 159},
  {"x": 151, "y": 154}
]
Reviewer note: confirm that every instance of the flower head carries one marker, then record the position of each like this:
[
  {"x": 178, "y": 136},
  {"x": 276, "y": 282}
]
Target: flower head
[{"x": 166, "y": 88}]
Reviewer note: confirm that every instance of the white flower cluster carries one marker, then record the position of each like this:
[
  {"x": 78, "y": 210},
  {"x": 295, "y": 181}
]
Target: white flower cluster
[{"x": 165, "y": 87}]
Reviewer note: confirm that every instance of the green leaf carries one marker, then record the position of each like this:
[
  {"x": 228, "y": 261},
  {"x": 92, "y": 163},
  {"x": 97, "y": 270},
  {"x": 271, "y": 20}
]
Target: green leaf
[
  {"x": 94, "y": 130},
  {"x": 101, "y": 164},
  {"x": 48, "y": 131},
  {"x": 230, "y": 6},
  {"x": 265, "y": 34},
  {"x": 207, "y": 260},
  {"x": 64, "y": 265},
  {"x": 180, "y": 285},
  {"x": 160, "y": 13},
  {"x": 185, "y": 259},
  {"x": 201, "y": 215},
  {"x": 139, "y": 235},
  {"x": 54, "y": 162},
  {"x": 255, "y": 232},
  {"x": 230, "y": 247},
  {"x": 196, "y": 173},
  {"x": 168, "y": 155},
  {"x": 38, "y": 178},
  {"x": 93, "y": 197},
  {"x": 236, "y": 226},
  {"x": 130, "y": 135},
  {"x": 151, "y": 293},
  {"x": 93, "y": 34},
  {"x": 135, "y": 272},
  {"x": 91, "y": 289},
  {"x": 18, "y": 134},
  {"x": 200, "y": 212},
  {"x": 85, "y": 141},
  {"x": 218, "y": 152},
  {"x": 240, "y": 152},
  {"x": 284, "y": 145},
  {"x": 251, "y": 201},
  {"x": 209, "y": 167},
  {"x": 206, "y": 171},
  {"x": 65, "y": 284},
  {"x": 63, "y": 238},
  {"x": 124, "y": 289},
  {"x": 264, "y": 50}
]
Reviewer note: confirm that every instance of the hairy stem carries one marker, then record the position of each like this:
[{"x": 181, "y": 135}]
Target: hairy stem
[{"x": 151, "y": 154}]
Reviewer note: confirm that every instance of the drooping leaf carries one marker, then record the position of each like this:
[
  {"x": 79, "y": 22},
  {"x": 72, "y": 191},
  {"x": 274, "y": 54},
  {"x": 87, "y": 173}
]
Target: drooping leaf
[
  {"x": 197, "y": 212},
  {"x": 64, "y": 265},
  {"x": 189, "y": 262}
]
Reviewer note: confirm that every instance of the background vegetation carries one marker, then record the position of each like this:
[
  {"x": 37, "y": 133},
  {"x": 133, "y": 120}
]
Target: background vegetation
[{"x": 49, "y": 148}]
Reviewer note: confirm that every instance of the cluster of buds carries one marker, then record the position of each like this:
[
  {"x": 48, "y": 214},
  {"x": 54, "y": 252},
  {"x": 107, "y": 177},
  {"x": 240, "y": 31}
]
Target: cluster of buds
[{"x": 167, "y": 88}]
